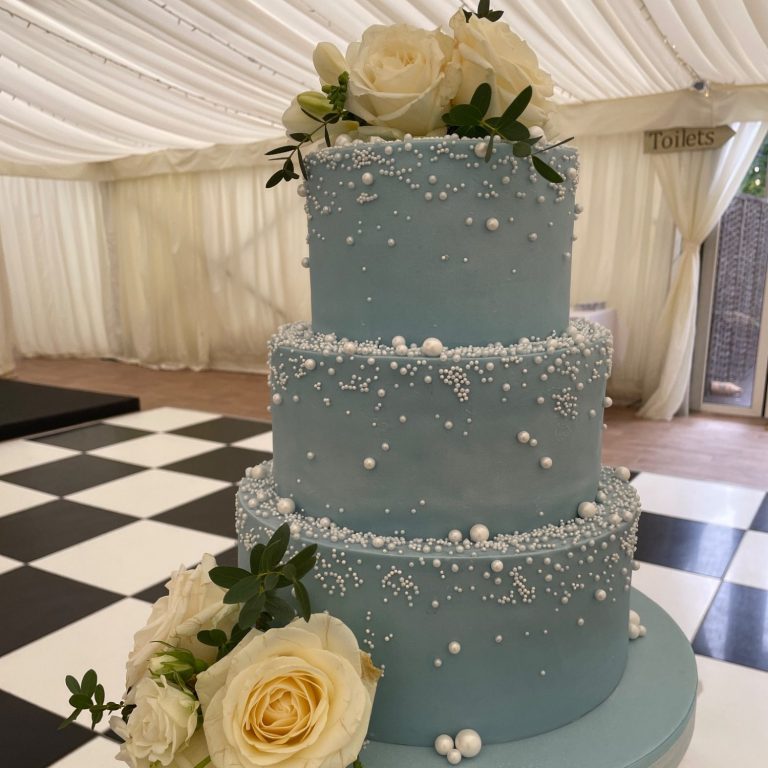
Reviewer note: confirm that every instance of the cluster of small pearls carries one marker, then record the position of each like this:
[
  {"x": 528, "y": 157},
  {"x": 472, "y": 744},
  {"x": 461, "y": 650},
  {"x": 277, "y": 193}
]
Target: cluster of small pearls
[
  {"x": 466, "y": 744},
  {"x": 636, "y": 629}
]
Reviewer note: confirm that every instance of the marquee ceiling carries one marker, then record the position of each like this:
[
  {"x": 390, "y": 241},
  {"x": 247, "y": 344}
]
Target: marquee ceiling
[{"x": 89, "y": 80}]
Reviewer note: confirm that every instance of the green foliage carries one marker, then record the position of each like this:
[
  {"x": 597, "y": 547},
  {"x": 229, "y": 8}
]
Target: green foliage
[
  {"x": 484, "y": 12},
  {"x": 469, "y": 120},
  {"x": 88, "y": 694},
  {"x": 257, "y": 590},
  {"x": 756, "y": 179}
]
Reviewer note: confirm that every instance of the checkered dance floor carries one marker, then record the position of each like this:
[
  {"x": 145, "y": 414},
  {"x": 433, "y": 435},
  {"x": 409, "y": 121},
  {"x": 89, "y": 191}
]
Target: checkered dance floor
[{"x": 93, "y": 520}]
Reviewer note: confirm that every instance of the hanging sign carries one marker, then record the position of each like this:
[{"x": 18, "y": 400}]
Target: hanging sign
[{"x": 683, "y": 139}]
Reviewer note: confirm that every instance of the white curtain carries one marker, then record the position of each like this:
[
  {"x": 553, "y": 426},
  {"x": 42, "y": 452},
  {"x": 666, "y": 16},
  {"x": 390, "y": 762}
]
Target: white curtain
[
  {"x": 623, "y": 248},
  {"x": 698, "y": 187},
  {"x": 6, "y": 322},
  {"x": 184, "y": 270}
]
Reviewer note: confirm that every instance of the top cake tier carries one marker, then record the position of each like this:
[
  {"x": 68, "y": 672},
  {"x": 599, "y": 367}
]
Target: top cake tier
[{"x": 424, "y": 238}]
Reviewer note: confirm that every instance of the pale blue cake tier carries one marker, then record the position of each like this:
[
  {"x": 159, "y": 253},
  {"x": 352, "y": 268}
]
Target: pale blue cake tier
[
  {"x": 540, "y": 619},
  {"x": 422, "y": 445},
  {"x": 423, "y": 238},
  {"x": 647, "y": 722}
]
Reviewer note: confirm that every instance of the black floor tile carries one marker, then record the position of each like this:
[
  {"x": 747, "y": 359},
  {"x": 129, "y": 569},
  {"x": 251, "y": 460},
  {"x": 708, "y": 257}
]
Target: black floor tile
[
  {"x": 735, "y": 628},
  {"x": 760, "y": 523},
  {"x": 35, "y": 603},
  {"x": 71, "y": 475},
  {"x": 214, "y": 513},
  {"x": 686, "y": 545},
  {"x": 223, "y": 464},
  {"x": 92, "y": 436},
  {"x": 29, "y": 735},
  {"x": 229, "y": 557},
  {"x": 38, "y": 531},
  {"x": 225, "y": 429}
]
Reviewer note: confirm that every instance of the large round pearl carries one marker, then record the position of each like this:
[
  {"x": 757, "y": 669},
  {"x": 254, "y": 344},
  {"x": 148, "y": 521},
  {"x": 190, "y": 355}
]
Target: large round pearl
[
  {"x": 398, "y": 341},
  {"x": 455, "y": 536},
  {"x": 523, "y": 436},
  {"x": 453, "y": 757},
  {"x": 479, "y": 533},
  {"x": 443, "y": 744},
  {"x": 432, "y": 347},
  {"x": 369, "y": 463},
  {"x": 587, "y": 509},
  {"x": 545, "y": 462},
  {"x": 454, "y": 647},
  {"x": 468, "y": 742},
  {"x": 286, "y": 506}
]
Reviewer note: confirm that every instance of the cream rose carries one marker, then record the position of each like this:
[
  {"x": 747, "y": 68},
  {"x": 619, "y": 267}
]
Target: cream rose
[
  {"x": 490, "y": 52},
  {"x": 296, "y": 697},
  {"x": 161, "y": 727},
  {"x": 193, "y": 603},
  {"x": 400, "y": 77}
]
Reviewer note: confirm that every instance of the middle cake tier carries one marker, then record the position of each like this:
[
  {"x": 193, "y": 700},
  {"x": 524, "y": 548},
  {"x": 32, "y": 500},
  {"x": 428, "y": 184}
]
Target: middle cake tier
[{"x": 374, "y": 437}]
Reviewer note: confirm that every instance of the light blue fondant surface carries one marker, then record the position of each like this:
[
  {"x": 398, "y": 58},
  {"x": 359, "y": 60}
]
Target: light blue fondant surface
[
  {"x": 647, "y": 722},
  {"x": 538, "y": 648},
  {"x": 443, "y": 433},
  {"x": 376, "y": 250}
]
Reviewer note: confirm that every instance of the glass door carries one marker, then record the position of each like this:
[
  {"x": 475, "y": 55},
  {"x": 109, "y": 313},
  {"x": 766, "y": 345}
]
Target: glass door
[{"x": 731, "y": 358}]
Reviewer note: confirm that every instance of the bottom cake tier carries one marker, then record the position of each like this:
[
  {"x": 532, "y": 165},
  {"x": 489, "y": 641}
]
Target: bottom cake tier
[{"x": 512, "y": 637}]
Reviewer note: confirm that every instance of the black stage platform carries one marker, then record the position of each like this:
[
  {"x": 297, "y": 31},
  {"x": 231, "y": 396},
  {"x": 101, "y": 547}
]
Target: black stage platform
[{"x": 28, "y": 409}]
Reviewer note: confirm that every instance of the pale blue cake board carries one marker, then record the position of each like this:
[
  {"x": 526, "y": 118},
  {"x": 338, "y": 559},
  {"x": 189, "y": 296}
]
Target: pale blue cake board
[{"x": 647, "y": 722}]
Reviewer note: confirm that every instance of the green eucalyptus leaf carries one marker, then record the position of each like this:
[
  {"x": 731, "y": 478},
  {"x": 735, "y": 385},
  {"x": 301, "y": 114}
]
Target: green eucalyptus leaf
[
  {"x": 489, "y": 150},
  {"x": 302, "y": 165},
  {"x": 511, "y": 130},
  {"x": 483, "y": 7},
  {"x": 495, "y": 15},
  {"x": 521, "y": 149},
  {"x": 99, "y": 694},
  {"x": 463, "y": 115},
  {"x": 288, "y": 166},
  {"x": 270, "y": 581},
  {"x": 71, "y": 719},
  {"x": 227, "y": 576},
  {"x": 302, "y": 596},
  {"x": 281, "y": 611},
  {"x": 300, "y": 137},
  {"x": 72, "y": 684},
  {"x": 550, "y": 174},
  {"x": 80, "y": 701},
  {"x": 309, "y": 114},
  {"x": 273, "y": 181},
  {"x": 244, "y": 590},
  {"x": 213, "y": 637},
  {"x": 326, "y": 135},
  {"x": 481, "y": 98},
  {"x": 467, "y": 14},
  {"x": 251, "y": 611},
  {"x": 280, "y": 150},
  {"x": 276, "y": 547},
  {"x": 255, "y": 558},
  {"x": 88, "y": 683},
  {"x": 303, "y": 562},
  {"x": 97, "y": 715},
  {"x": 518, "y": 105}
]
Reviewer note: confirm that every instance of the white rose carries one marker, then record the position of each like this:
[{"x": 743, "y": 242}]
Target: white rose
[
  {"x": 296, "y": 697},
  {"x": 193, "y": 603},
  {"x": 400, "y": 77},
  {"x": 159, "y": 731},
  {"x": 490, "y": 52}
]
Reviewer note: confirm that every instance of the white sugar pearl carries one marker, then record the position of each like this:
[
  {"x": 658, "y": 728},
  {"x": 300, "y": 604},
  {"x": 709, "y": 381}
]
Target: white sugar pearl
[
  {"x": 286, "y": 506},
  {"x": 643, "y": 630},
  {"x": 634, "y": 631},
  {"x": 391, "y": 242},
  {"x": 468, "y": 742},
  {"x": 349, "y": 347},
  {"x": 533, "y": 237},
  {"x": 634, "y": 617},
  {"x": 277, "y": 398},
  {"x": 378, "y": 542},
  {"x": 497, "y": 566},
  {"x": 443, "y": 744},
  {"x": 492, "y": 224},
  {"x": 367, "y": 179},
  {"x": 622, "y": 473},
  {"x": 453, "y": 757},
  {"x": 350, "y": 240},
  {"x": 432, "y": 347},
  {"x": 398, "y": 341},
  {"x": 301, "y": 190},
  {"x": 572, "y": 173},
  {"x": 600, "y": 595},
  {"x": 455, "y": 536},
  {"x": 479, "y": 533},
  {"x": 545, "y": 462},
  {"x": 305, "y": 262},
  {"x": 523, "y": 436},
  {"x": 481, "y": 148},
  {"x": 454, "y": 647},
  {"x": 587, "y": 509},
  {"x": 607, "y": 402},
  {"x": 310, "y": 364},
  {"x": 369, "y": 463}
]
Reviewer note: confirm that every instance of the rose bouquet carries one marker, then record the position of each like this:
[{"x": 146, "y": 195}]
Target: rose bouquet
[
  {"x": 226, "y": 675},
  {"x": 481, "y": 81}
]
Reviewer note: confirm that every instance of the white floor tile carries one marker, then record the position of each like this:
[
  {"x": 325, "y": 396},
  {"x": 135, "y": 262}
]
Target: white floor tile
[
  {"x": 7, "y": 564},
  {"x": 162, "y": 419},
  {"x": 148, "y": 493},
  {"x": 133, "y": 557},
  {"x": 23, "y": 454},
  {"x": 156, "y": 450},
  {"x": 731, "y": 717},
  {"x": 101, "y": 641},
  {"x": 97, "y": 753},
  {"x": 684, "y": 596},
  {"x": 262, "y": 442},
  {"x": 699, "y": 500},
  {"x": 14, "y": 498},
  {"x": 750, "y": 563}
]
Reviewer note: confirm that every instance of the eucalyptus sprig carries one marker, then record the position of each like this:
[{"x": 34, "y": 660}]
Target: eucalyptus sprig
[
  {"x": 483, "y": 12},
  {"x": 88, "y": 694},
  {"x": 470, "y": 120},
  {"x": 257, "y": 589},
  {"x": 336, "y": 97}
]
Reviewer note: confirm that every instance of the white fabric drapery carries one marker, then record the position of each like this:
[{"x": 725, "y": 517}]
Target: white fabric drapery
[
  {"x": 698, "y": 187},
  {"x": 7, "y": 363}
]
